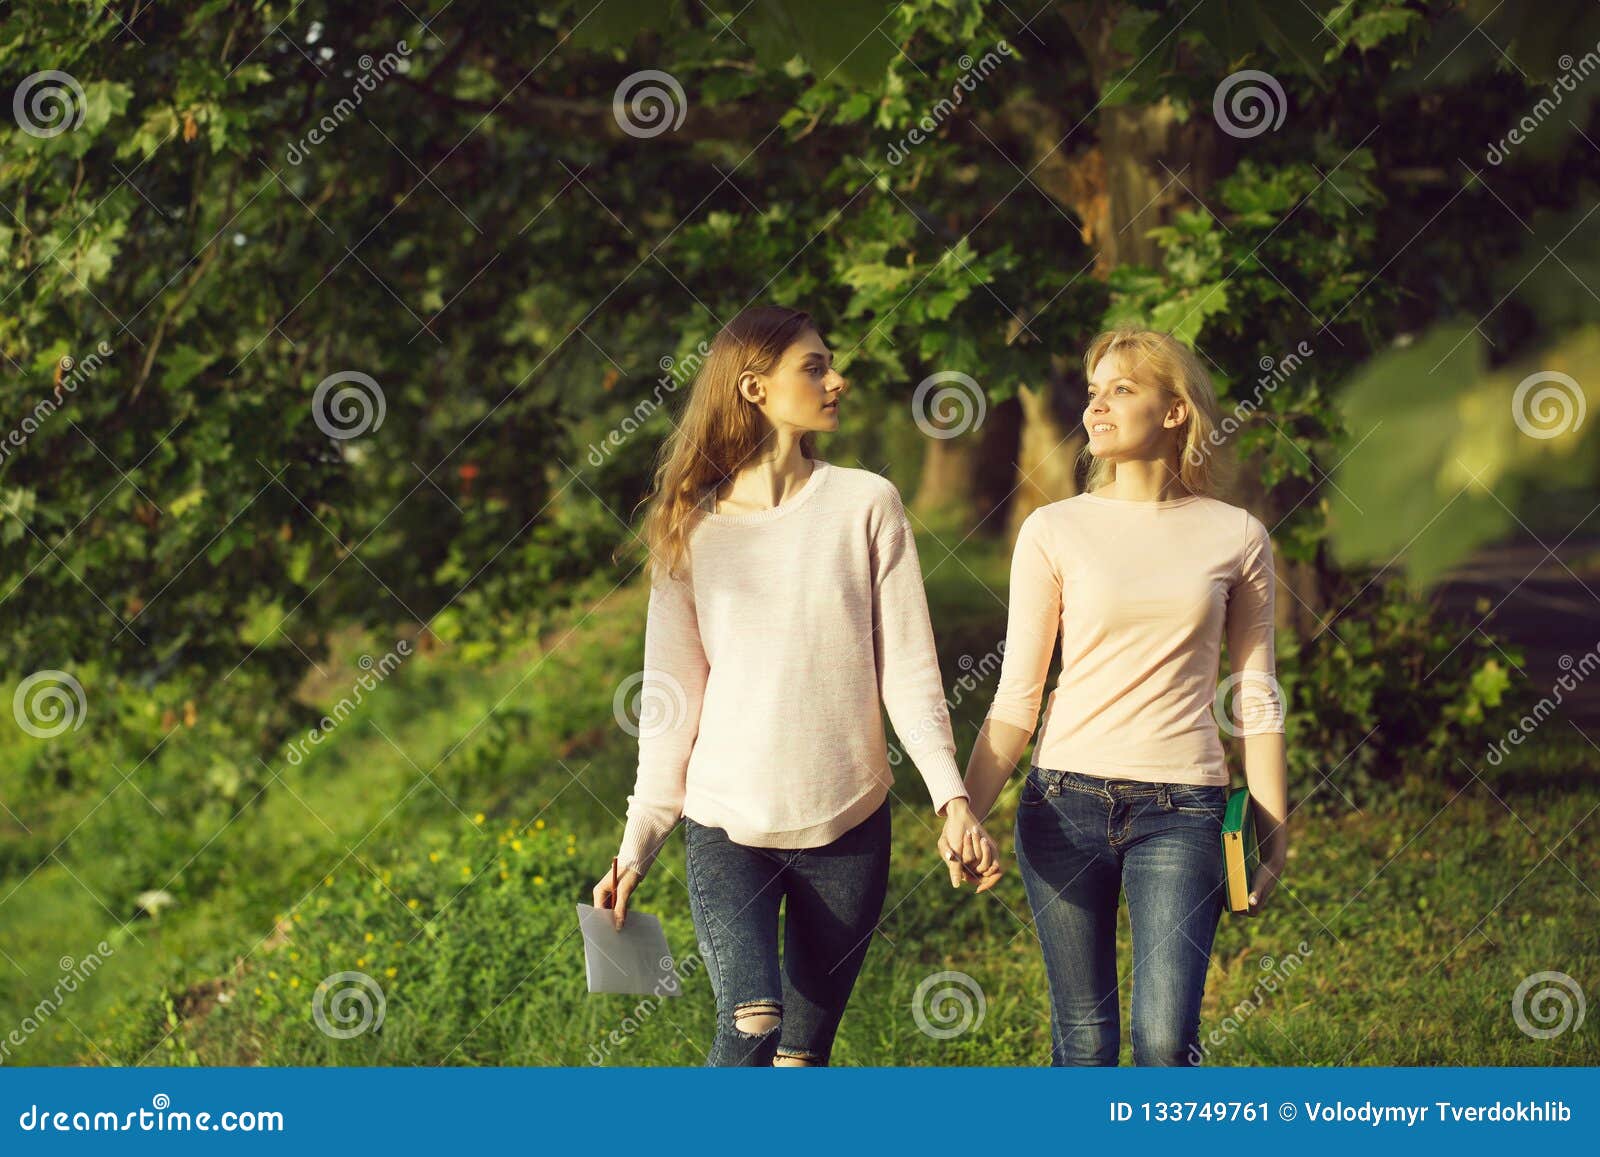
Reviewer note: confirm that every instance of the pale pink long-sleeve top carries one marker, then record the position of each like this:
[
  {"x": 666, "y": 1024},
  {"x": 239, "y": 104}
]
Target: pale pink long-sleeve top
[
  {"x": 1141, "y": 594},
  {"x": 767, "y": 669}
]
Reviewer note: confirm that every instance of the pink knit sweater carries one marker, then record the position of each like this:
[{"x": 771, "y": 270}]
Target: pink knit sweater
[
  {"x": 767, "y": 668},
  {"x": 1141, "y": 594}
]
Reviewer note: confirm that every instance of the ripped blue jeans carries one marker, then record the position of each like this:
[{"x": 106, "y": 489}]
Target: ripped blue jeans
[
  {"x": 1081, "y": 841},
  {"x": 835, "y": 896}
]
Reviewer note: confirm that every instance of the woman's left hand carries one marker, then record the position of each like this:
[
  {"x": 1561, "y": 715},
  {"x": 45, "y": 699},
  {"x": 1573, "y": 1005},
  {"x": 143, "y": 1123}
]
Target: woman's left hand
[{"x": 1265, "y": 881}]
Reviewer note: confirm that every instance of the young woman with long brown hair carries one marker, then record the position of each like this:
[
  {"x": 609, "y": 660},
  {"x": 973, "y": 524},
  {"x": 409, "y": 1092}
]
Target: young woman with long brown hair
[{"x": 786, "y": 610}]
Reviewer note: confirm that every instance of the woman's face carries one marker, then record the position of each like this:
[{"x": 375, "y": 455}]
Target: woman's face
[
  {"x": 802, "y": 391},
  {"x": 1126, "y": 418}
]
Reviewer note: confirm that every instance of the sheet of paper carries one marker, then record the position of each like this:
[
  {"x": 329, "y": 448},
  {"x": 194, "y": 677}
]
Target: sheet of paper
[{"x": 634, "y": 960}]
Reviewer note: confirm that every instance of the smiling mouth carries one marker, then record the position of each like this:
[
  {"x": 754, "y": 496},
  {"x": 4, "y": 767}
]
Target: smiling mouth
[{"x": 1101, "y": 428}]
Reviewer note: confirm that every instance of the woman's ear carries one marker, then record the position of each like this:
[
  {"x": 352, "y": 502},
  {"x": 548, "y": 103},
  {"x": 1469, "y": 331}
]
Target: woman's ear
[
  {"x": 749, "y": 387},
  {"x": 1177, "y": 414}
]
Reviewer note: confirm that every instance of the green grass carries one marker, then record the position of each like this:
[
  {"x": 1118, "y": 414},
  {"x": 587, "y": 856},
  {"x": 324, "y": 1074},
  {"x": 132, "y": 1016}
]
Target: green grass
[{"x": 1420, "y": 914}]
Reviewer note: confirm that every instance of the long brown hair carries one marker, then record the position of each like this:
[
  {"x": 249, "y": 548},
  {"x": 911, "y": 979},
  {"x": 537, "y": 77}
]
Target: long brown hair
[
  {"x": 1157, "y": 358},
  {"x": 719, "y": 429}
]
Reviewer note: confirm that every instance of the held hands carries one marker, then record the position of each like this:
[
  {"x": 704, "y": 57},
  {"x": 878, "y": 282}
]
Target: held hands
[
  {"x": 966, "y": 848},
  {"x": 615, "y": 895}
]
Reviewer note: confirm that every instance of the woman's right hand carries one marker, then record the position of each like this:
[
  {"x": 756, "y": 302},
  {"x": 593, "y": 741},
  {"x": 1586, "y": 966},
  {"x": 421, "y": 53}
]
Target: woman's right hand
[{"x": 615, "y": 897}]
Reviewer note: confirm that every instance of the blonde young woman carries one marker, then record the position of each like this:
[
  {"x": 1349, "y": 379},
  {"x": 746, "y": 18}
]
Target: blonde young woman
[
  {"x": 786, "y": 610},
  {"x": 1142, "y": 576}
]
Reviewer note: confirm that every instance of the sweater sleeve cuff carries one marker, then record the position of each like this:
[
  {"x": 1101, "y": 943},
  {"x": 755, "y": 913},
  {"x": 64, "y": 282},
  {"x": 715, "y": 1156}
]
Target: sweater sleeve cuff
[
  {"x": 943, "y": 777},
  {"x": 642, "y": 840}
]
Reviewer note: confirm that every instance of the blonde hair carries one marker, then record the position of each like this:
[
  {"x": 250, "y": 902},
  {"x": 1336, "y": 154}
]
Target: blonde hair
[
  {"x": 719, "y": 429},
  {"x": 1156, "y": 358}
]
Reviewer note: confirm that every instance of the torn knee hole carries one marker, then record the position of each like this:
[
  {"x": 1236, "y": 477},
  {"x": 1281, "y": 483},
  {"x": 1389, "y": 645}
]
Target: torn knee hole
[{"x": 758, "y": 1017}]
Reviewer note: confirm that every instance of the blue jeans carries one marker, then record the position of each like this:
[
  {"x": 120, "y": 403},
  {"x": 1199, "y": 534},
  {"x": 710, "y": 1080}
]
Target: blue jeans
[
  {"x": 835, "y": 897},
  {"x": 1080, "y": 840}
]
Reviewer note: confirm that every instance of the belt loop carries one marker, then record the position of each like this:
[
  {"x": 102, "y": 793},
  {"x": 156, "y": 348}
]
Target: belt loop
[{"x": 1166, "y": 796}]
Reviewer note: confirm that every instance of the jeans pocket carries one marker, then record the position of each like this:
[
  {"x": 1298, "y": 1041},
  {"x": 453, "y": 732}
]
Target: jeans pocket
[
  {"x": 1198, "y": 799},
  {"x": 1033, "y": 792}
]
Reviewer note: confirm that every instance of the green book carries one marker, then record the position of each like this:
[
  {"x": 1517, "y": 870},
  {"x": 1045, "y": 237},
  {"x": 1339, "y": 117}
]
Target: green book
[{"x": 1240, "y": 854}]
